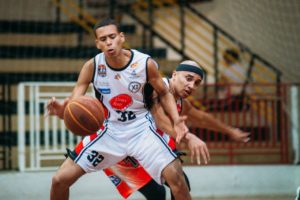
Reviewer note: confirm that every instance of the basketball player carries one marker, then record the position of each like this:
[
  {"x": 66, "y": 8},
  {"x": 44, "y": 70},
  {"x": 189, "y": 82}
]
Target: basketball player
[
  {"x": 185, "y": 79},
  {"x": 128, "y": 176},
  {"x": 118, "y": 76}
]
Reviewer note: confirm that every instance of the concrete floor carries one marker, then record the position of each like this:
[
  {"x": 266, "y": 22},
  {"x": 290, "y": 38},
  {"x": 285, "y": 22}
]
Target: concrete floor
[{"x": 95, "y": 186}]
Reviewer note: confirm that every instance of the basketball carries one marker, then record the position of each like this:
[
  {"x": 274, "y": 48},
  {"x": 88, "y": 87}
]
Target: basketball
[{"x": 84, "y": 115}]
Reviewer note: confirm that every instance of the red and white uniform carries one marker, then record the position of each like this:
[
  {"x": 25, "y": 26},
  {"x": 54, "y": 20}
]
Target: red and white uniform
[
  {"x": 128, "y": 175},
  {"x": 128, "y": 129}
]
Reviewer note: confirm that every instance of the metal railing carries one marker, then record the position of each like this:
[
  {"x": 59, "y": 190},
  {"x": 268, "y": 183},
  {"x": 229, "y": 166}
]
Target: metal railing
[{"x": 42, "y": 141}]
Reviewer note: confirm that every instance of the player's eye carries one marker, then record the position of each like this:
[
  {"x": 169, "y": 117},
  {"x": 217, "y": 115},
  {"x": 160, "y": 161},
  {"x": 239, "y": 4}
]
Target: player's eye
[
  {"x": 102, "y": 39},
  {"x": 189, "y": 78},
  {"x": 197, "y": 83},
  {"x": 112, "y": 36}
]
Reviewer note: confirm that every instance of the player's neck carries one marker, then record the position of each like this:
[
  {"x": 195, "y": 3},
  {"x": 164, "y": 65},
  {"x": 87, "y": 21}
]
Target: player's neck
[{"x": 119, "y": 61}]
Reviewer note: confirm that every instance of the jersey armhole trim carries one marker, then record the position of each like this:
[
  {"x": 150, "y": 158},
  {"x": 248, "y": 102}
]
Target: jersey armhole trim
[{"x": 94, "y": 72}]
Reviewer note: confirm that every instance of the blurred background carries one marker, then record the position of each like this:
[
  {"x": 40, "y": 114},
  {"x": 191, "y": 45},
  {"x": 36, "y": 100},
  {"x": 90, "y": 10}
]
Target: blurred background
[{"x": 249, "y": 50}]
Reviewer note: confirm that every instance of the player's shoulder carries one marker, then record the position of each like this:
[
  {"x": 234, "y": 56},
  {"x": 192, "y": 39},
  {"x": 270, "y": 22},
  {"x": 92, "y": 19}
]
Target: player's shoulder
[
  {"x": 89, "y": 63},
  {"x": 138, "y": 53}
]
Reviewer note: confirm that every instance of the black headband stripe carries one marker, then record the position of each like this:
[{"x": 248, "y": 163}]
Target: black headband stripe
[{"x": 190, "y": 68}]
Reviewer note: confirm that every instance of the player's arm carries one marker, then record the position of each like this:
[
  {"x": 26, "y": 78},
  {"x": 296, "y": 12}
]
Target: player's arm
[
  {"x": 196, "y": 146},
  {"x": 57, "y": 108},
  {"x": 162, "y": 121},
  {"x": 167, "y": 100},
  {"x": 201, "y": 119}
]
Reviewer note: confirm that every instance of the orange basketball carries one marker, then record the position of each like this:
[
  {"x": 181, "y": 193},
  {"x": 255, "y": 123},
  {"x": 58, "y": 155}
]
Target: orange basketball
[{"x": 84, "y": 115}]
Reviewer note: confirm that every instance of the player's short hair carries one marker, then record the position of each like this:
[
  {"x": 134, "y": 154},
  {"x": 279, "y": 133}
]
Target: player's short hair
[{"x": 106, "y": 22}]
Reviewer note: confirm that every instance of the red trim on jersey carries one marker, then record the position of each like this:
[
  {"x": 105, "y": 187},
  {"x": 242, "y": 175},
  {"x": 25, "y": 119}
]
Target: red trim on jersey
[
  {"x": 79, "y": 147},
  {"x": 172, "y": 143}
]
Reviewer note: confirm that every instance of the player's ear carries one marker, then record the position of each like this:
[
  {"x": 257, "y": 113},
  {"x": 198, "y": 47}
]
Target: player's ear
[
  {"x": 122, "y": 36},
  {"x": 174, "y": 74},
  {"x": 97, "y": 44}
]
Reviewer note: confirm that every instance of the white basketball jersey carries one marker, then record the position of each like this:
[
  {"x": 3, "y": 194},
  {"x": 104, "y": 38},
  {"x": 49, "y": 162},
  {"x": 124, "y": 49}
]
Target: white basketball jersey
[{"x": 121, "y": 90}]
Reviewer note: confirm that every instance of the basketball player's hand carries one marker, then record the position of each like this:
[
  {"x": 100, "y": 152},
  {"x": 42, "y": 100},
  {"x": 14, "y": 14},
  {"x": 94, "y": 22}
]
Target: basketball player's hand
[
  {"x": 180, "y": 128},
  {"x": 56, "y": 108},
  {"x": 197, "y": 149},
  {"x": 238, "y": 135}
]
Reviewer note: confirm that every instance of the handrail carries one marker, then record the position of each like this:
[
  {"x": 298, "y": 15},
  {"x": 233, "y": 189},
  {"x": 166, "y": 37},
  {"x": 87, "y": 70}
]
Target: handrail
[
  {"x": 243, "y": 46},
  {"x": 85, "y": 22},
  {"x": 155, "y": 33}
]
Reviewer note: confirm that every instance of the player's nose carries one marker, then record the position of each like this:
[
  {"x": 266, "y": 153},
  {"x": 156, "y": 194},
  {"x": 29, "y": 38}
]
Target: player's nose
[{"x": 108, "y": 42}]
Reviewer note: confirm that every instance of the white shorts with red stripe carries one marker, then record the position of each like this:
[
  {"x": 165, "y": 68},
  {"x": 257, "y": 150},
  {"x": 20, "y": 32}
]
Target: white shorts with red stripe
[{"x": 143, "y": 143}]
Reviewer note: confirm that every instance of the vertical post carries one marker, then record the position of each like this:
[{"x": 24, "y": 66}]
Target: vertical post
[
  {"x": 112, "y": 7},
  {"x": 9, "y": 130},
  {"x": 144, "y": 38},
  {"x": 295, "y": 123},
  {"x": 216, "y": 59},
  {"x": 182, "y": 27},
  {"x": 57, "y": 13},
  {"x": 31, "y": 127},
  {"x": 249, "y": 72},
  {"x": 4, "y": 122},
  {"x": 21, "y": 127},
  {"x": 80, "y": 34},
  {"x": 151, "y": 23},
  {"x": 37, "y": 151},
  {"x": 278, "y": 106}
]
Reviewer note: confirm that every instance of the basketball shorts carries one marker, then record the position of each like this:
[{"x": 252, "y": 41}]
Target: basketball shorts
[
  {"x": 109, "y": 148},
  {"x": 128, "y": 175}
]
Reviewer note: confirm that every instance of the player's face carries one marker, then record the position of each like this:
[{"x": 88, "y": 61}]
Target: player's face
[
  {"x": 109, "y": 40},
  {"x": 185, "y": 83}
]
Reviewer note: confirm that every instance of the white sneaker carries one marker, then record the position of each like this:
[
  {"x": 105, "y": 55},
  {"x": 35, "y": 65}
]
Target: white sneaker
[{"x": 298, "y": 193}]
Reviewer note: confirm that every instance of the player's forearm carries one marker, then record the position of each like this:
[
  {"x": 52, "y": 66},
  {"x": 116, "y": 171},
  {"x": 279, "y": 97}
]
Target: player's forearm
[
  {"x": 165, "y": 125},
  {"x": 168, "y": 102},
  {"x": 162, "y": 121},
  {"x": 207, "y": 121}
]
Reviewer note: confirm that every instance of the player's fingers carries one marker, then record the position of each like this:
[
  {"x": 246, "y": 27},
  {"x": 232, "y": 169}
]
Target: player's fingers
[
  {"x": 182, "y": 118},
  {"x": 178, "y": 138},
  {"x": 192, "y": 155},
  {"x": 66, "y": 101},
  {"x": 247, "y": 139},
  {"x": 207, "y": 153},
  {"x": 198, "y": 154}
]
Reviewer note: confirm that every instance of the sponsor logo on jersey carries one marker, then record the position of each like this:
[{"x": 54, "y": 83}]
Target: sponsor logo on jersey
[
  {"x": 117, "y": 76},
  {"x": 104, "y": 90},
  {"x": 101, "y": 70},
  {"x": 102, "y": 83},
  {"x": 133, "y": 74},
  {"x": 134, "y": 65},
  {"x": 134, "y": 87},
  {"x": 121, "y": 102},
  {"x": 115, "y": 180}
]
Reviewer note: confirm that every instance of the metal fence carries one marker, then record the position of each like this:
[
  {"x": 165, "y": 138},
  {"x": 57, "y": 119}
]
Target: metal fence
[{"x": 42, "y": 141}]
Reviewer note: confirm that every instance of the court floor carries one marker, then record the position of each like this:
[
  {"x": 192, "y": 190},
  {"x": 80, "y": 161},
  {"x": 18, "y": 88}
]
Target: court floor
[{"x": 36, "y": 185}]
